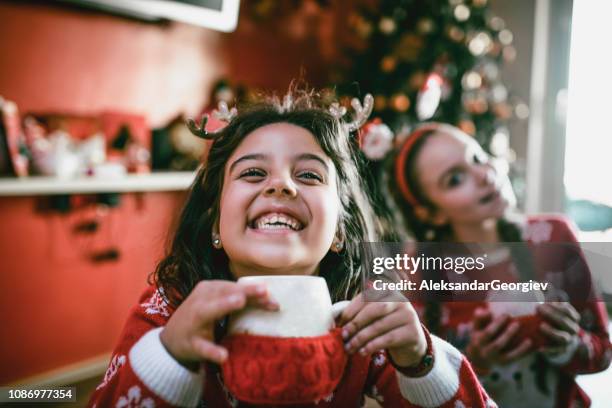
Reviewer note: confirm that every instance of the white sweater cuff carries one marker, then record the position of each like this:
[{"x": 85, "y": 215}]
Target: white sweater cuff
[
  {"x": 440, "y": 384},
  {"x": 164, "y": 376}
]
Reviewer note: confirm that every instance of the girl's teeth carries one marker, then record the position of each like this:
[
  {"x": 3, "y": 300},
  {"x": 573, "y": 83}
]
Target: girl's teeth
[{"x": 277, "y": 222}]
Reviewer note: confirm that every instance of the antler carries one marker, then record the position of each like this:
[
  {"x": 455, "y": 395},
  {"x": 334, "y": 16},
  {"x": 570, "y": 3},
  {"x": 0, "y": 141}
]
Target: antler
[
  {"x": 222, "y": 113},
  {"x": 200, "y": 131},
  {"x": 362, "y": 112},
  {"x": 337, "y": 111}
]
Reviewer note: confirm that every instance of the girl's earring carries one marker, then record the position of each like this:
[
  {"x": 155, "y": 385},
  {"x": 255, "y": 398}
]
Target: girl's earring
[
  {"x": 337, "y": 246},
  {"x": 216, "y": 241}
]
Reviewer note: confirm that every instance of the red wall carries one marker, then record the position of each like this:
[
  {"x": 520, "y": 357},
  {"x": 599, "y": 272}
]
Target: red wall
[
  {"x": 58, "y": 306},
  {"x": 56, "y": 58}
]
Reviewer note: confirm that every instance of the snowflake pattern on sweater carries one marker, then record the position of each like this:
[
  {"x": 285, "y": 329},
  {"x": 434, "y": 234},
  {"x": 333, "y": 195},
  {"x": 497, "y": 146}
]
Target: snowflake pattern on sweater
[
  {"x": 149, "y": 377},
  {"x": 156, "y": 304},
  {"x": 134, "y": 399},
  {"x": 116, "y": 362}
]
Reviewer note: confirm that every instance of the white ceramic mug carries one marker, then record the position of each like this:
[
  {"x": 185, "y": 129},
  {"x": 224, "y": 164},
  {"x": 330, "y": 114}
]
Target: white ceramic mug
[{"x": 305, "y": 308}]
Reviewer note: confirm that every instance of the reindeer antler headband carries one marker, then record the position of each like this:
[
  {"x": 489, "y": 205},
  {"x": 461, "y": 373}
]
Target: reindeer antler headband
[
  {"x": 361, "y": 111},
  {"x": 405, "y": 188},
  {"x": 223, "y": 113}
]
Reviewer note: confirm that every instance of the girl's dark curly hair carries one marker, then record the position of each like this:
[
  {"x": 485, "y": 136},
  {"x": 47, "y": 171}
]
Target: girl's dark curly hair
[{"x": 191, "y": 258}]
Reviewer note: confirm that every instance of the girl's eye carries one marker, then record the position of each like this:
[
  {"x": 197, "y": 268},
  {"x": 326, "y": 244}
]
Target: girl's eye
[
  {"x": 455, "y": 179},
  {"x": 310, "y": 176},
  {"x": 251, "y": 173}
]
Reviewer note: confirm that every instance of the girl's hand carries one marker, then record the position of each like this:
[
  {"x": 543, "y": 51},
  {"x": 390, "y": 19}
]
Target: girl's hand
[
  {"x": 395, "y": 326},
  {"x": 189, "y": 333},
  {"x": 561, "y": 325},
  {"x": 490, "y": 340}
]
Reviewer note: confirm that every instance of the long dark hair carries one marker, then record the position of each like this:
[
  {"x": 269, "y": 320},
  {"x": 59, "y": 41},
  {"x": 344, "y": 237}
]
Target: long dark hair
[{"x": 191, "y": 257}]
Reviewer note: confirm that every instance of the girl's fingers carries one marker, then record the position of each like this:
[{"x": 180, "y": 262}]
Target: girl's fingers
[
  {"x": 351, "y": 310},
  {"x": 482, "y": 317},
  {"x": 338, "y": 308},
  {"x": 210, "y": 310},
  {"x": 567, "y": 309},
  {"x": 494, "y": 328},
  {"x": 376, "y": 329},
  {"x": 221, "y": 288},
  {"x": 368, "y": 313},
  {"x": 258, "y": 295},
  {"x": 492, "y": 349},
  {"x": 233, "y": 298},
  {"x": 559, "y": 337},
  {"x": 516, "y": 353},
  {"x": 572, "y": 312},
  {"x": 559, "y": 319},
  {"x": 207, "y": 350},
  {"x": 393, "y": 338},
  {"x": 255, "y": 294}
]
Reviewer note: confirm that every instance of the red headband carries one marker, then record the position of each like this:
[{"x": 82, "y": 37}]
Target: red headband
[{"x": 400, "y": 161}]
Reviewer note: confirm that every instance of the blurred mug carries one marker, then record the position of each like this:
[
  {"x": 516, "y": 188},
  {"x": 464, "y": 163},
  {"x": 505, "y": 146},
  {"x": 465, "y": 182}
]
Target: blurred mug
[{"x": 524, "y": 311}]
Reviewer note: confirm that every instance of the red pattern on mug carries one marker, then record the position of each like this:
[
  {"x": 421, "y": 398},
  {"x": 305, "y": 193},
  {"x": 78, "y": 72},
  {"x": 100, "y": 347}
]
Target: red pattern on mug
[{"x": 283, "y": 370}]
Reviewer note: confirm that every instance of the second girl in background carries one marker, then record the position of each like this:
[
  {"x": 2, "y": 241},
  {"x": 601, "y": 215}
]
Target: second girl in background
[{"x": 445, "y": 189}]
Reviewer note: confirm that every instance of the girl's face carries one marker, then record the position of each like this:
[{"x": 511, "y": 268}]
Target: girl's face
[
  {"x": 279, "y": 204},
  {"x": 457, "y": 176}
]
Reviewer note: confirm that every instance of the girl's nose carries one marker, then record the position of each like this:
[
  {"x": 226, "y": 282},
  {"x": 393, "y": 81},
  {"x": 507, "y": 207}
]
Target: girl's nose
[{"x": 282, "y": 187}]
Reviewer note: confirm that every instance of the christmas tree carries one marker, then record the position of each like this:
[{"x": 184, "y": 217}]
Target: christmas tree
[{"x": 432, "y": 60}]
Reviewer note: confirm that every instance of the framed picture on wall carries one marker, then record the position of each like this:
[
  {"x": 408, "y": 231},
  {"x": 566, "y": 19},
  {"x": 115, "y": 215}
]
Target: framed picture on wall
[{"x": 221, "y": 15}]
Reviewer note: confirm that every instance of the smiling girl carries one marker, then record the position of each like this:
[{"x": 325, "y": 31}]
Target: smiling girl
[
  {"x": 447, "y": 189},
  {"x": 280, "y": 194}
]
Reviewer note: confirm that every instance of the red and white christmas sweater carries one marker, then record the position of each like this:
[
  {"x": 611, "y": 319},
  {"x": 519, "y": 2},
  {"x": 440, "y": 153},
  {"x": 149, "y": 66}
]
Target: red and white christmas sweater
[
  {"x": 538, "y": 380},
  {"x": 143, "y": 374}
]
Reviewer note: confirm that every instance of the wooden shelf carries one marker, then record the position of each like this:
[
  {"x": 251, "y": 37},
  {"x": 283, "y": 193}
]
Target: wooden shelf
[{"x": 29, "y": 186}]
